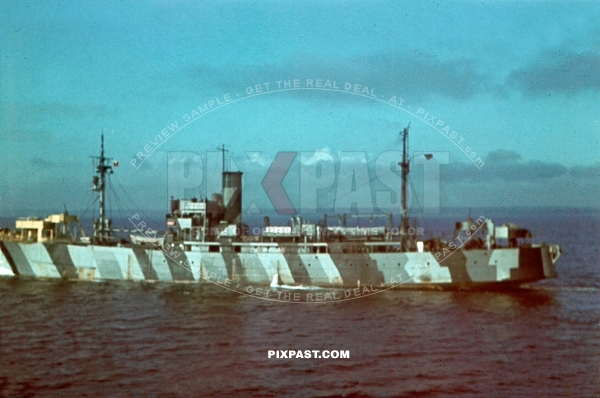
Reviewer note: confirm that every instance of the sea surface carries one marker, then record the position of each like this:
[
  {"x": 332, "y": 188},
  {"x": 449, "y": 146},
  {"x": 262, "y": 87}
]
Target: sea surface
[{"x": 121, "y": 339}]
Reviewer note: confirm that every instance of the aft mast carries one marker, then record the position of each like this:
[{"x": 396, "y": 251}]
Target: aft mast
[
  {"x": 405, "y": 165},
  {"x": 102, "y": 232}
]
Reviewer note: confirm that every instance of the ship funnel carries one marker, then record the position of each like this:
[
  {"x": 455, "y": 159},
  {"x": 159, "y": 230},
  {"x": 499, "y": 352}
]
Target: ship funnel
[{"x": 232, "y": 197}]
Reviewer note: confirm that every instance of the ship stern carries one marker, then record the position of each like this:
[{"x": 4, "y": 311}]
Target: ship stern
[
  {"x": 550, "y": 254},
  {"x": 536, "y": 262}
]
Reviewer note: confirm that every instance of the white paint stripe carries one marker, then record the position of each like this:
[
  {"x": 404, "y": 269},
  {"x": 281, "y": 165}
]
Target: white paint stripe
[
  {"x": 330, "y": 269},
  {"x": 82, "y": 256},
  {"x": 108, "y": 266},
  {"x": 194, "y": 260},
  {"x": 159, "y": 263},
  {"x": 275, "y": 262},
  {"x": 504, "y": 260},
  {"x": 40, "y": 261},
  {"x": 315, "y": 270},
  {"x": 5, "y": 269}
]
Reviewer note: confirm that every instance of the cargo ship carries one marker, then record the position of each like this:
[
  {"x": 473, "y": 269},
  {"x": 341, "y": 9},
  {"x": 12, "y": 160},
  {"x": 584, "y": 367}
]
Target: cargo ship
[{"x": 205, "y": 241}]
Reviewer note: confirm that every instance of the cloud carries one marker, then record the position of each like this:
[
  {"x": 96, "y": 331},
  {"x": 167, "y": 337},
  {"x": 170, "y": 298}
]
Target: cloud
[
  {"x": 503, "y": 165},
  {"x": 417, "y": 75},
  {"x": 568, "y": 73},
  {"x": 41, "y": 163},
  {"x": 26, "y": 110},
  {"x": 502, "y": 155},
  {"x": 24, "y": 135},
  {"x": 320, "y": 155},
  {"x": 505, "y": 180},
  {"x": 585, "y": 172}
]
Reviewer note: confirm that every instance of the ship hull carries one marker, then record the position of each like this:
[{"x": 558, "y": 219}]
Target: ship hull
[{"x": 258, "y": 266}]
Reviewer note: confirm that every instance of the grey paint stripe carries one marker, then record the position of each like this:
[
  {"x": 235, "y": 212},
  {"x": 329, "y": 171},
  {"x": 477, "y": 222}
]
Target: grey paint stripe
[
  {"x": 178, "y": 265},
  {"x": 108, "y": 265},
  {"x": 145, "y": 263},
  {"x": 21, "y": 262},
  {"x": 354, "y": 264},
  {"x": 297, "y": 267},
  {"x": 59, "y": 253},
  {"x": 457, "y": 265}
]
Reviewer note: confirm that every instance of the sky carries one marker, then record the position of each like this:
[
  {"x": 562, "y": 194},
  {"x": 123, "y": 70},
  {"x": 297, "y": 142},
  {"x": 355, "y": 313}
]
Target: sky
[{"x": 309, "y": 98}]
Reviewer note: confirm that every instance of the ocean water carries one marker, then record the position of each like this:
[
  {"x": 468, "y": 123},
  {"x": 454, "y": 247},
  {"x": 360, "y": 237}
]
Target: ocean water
[{"x": 125, "y": 339}]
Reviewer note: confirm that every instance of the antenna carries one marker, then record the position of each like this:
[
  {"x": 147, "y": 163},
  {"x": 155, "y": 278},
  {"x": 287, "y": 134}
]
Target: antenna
[{"x": 223, "y": 150}]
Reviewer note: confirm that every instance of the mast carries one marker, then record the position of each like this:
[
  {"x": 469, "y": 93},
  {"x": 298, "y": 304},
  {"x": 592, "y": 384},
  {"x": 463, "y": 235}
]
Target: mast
[
  {"x": 405, "y": 165},
  {"x": 101, "y": 225}
]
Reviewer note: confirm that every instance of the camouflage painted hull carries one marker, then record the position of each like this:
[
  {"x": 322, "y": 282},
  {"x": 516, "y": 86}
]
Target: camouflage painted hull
[{"x": 257, "y": 265}]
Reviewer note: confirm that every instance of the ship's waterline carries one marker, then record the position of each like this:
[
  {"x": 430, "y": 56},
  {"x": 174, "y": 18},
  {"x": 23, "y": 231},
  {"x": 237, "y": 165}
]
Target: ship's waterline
[{"x": 256, "y": 264}]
